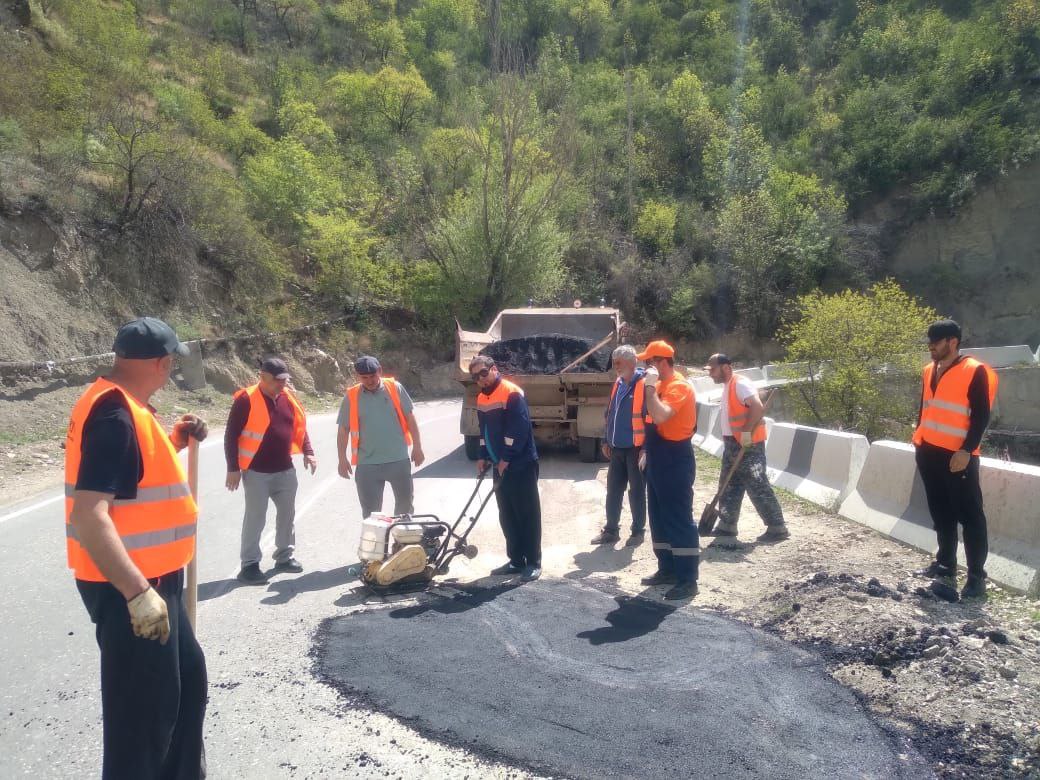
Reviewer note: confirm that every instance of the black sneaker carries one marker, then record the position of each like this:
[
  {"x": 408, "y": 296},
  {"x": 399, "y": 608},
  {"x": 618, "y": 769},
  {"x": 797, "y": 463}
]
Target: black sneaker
[
  {"x": 251, "y": 575},
  {"x": 507, "y": 568},
  {"x": 605, "y": 537},
  {"x": 659, "y": 578},
  {"x": 932, "y": 570},
  {"x": 974, "y": 588},
  {"x": 635, "y": 539},
  {"x": 291, "y": 565},
  {"x": 681, "y": 591},
  {"x": 531, "y": 573}
]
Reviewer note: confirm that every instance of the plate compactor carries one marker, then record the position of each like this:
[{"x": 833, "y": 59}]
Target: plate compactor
[{"x": 403, "y": 553}]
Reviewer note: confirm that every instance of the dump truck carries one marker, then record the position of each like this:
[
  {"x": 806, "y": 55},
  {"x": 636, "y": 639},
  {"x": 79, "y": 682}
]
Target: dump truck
[{"x": 566, "y": 393}]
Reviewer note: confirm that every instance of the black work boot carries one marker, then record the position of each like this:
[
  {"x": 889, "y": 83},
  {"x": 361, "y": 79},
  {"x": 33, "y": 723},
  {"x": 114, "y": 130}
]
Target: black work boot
[
  {"x": 251, "y": 575},
  {"x": 974, "y": 588},
  {"x": 681, "y": 591},
  {"x": 606, "y": 537},
  {"x": 934, "y": 569},
  {"x": 660, "y": 578},
  {"x": 945, "y": 588}
]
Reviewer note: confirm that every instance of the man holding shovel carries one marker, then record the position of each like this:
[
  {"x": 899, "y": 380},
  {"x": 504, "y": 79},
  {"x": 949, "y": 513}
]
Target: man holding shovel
[
  {"x": 744, "y": 437},
  {"x": 130, "y": 530}
]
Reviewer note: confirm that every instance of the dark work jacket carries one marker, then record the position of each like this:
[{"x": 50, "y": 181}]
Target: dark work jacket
[{"x": 505, "y": 425}]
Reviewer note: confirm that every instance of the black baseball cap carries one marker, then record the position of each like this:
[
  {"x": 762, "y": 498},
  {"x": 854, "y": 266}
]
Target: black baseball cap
[
  {"x": 275, "y": 367},
  {"x": 944, "y": 329},
  {"x": 719, "y": 359},
  {"x": 145, "y": 338},
  {"x": 366, "y": 364}
]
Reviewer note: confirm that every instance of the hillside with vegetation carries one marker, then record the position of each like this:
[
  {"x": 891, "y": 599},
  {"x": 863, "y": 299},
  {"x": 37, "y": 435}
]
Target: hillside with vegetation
[{"x": 699, "y": 163}]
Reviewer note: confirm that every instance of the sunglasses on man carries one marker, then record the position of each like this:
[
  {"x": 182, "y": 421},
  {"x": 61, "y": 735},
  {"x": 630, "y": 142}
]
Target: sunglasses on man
[{"x": 482, "y": 374}]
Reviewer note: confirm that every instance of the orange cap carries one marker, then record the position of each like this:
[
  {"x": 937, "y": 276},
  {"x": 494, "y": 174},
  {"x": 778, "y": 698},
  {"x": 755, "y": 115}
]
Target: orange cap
[{"x": 654, "y": 349}]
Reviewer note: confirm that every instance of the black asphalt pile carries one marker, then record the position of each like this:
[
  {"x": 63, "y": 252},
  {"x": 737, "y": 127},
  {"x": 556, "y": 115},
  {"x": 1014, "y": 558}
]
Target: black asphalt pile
[
  {"x": 546, "y": 354},
  {"x": 561, "y": 678}
]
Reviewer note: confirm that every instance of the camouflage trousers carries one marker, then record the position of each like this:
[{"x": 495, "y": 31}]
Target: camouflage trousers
[{"x": 749, "y": 478}]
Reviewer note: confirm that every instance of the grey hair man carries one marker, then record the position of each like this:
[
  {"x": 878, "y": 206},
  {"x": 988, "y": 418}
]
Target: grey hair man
[{"x": 622, "y": 444}]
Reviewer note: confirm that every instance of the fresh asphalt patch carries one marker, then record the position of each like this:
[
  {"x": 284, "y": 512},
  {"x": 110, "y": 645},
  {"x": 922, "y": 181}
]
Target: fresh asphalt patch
[{"x": 563, "y": 678}]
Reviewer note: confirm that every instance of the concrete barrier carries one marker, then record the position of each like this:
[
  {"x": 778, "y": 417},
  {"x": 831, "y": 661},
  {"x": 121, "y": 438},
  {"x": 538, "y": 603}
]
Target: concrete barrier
[
  {"x": 818, "y": 465},
  {"x": 706, "y": 414},
  {"x": 1002, "y": 357},
  {"x": 711, "y": 440},
  {"x": 889, "y": 497},
  {"x": 754, "y": 374}
]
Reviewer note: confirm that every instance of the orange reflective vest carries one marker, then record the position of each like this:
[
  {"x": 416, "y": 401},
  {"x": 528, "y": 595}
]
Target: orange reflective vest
[
  {"x": 157, "y": 527},
  {"x": 945, "y": 415},
  {"x": 739, "y": 414},
  {"x": 259, "y": 421},
  {"x": 638, "y": 426},
  {"x": 354, "y": 393}
]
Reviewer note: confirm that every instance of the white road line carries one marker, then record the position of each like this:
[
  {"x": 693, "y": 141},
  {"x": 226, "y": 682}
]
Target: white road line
[
  {"x": 213, "y": 442},
  {"x": 32, "y": 507}
]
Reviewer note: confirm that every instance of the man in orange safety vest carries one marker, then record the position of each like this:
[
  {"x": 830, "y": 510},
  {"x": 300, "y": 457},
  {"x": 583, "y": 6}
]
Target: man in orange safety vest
[
  {"x": 130, "y": 531},
  {"x": 957, "y": 393}
]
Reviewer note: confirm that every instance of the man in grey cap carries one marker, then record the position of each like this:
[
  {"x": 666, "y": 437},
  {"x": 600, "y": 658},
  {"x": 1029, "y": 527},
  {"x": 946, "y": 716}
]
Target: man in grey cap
[
  {"x": 376, "y": 419},
  {"x": 130, "y": 531},
  {"x": 265, "y": 428}
]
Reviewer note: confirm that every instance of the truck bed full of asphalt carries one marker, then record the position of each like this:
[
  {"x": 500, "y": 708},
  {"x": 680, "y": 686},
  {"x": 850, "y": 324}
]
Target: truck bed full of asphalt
[
  {"x": 548, "y": 353},
  {"x": 562, "y": 678}
]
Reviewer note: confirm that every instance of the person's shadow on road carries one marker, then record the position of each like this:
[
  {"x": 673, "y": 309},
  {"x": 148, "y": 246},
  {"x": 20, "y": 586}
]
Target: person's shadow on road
[
  {"x": 284, "y": 590},
  {"x": 473, "y": 595},
  {"x": 635, "y": 616},
  {"x": 602, "y": 558}
]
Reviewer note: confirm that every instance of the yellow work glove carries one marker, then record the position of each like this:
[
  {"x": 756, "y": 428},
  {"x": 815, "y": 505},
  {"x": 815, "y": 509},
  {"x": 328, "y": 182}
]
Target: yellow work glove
[
  {"x": 149, "y": 617},
  {"x": 745, "y": 439}
]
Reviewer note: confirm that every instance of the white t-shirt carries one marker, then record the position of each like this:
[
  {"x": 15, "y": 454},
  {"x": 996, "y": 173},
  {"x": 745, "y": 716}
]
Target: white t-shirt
[{"x": 745, "y": 389}]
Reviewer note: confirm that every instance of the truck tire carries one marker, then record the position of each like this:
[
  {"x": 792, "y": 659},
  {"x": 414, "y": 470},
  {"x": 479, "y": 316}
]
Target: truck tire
[
  {"x": 588, "y": 449},
  {"x": 473, "y": 447}
]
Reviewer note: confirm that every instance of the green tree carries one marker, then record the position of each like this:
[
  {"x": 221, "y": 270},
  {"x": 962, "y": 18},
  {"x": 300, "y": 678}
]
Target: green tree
[
  {"x": 862, "y": 352},
  {"x": 778, "y": 241},
  {"x": 288, "y": 182},
  {"x": 500, "y": 240}
]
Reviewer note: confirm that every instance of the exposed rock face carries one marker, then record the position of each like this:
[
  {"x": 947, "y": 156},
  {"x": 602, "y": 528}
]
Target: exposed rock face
[{"x": 981, "y": 266}]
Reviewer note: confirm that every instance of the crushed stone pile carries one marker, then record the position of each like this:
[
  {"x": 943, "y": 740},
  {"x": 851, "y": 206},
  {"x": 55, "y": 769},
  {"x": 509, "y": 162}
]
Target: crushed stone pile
[{"x": 546, "y": 354}]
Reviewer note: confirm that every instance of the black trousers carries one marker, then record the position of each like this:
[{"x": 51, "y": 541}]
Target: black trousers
[
  {"x": 954, "y": 499},
  {"x": 623, "y": 473},
  {"x": 520, "y": 513},
  {"x": 670, "y": 472},
  {"x": 153, "y": 696}
]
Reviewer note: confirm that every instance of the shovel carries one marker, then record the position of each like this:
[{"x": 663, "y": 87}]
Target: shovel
[
  {"x": 191, "y": 590},
  {"x": 710, "y": 515}
]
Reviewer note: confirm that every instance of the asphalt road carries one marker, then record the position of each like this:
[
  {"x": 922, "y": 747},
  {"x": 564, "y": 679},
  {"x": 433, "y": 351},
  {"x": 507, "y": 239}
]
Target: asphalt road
[
  {"x": 622, "y": 687},
  {"x": 271, "y": 712},
  {"x": 267, "y": 716}
]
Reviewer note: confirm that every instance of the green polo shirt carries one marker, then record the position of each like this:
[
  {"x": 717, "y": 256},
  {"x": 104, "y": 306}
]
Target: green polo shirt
[{"x": 382, "y": 440}]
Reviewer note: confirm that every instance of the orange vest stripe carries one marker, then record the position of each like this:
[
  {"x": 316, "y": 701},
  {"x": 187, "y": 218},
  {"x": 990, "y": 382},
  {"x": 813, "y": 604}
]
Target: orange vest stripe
[
  {"x": 945, "y": 415},
  {"x": 157, "y": 527},
  {"x": 354, "y": 394},
  {"x": 638, "y": 426},
  {"x": 499, "y": 397},
  {"x": 739, "y": 415},
  {"x": 259, "y": 421}
]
